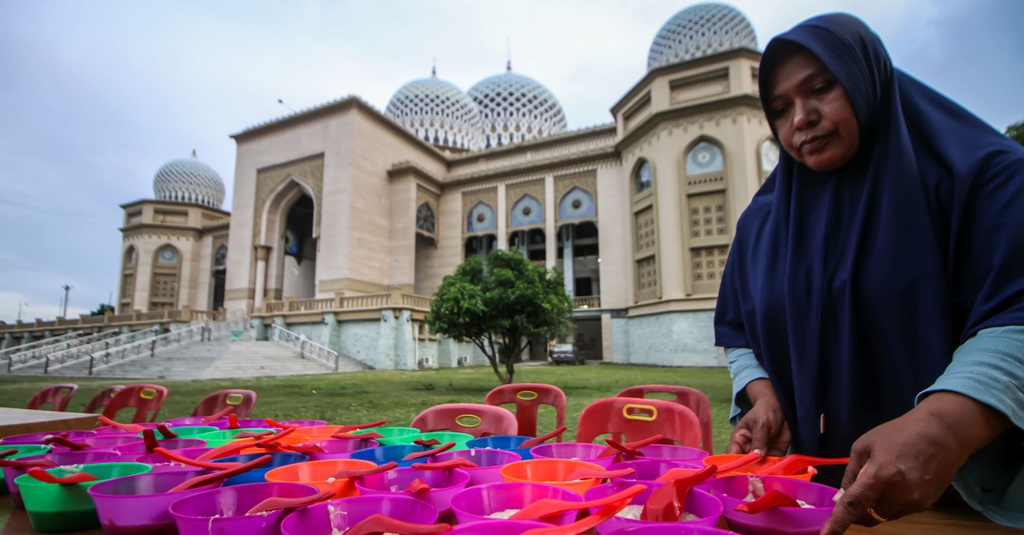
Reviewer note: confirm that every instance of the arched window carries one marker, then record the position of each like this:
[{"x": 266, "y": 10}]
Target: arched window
[
  {"x": 576, "y": 204},
  {"x": 768, "y": 154},
  {"x": 425, "y": 219},
  {"x": 163, "y": 292},
  {"x": 708, "y": 229},
  {"x": 643, "y": 177},
  {"x": 220, "y": 259},
  {"x": 481, "y": 219},
  {"x": 527, "y": 212},
  {"x": 704, "y": 157}
]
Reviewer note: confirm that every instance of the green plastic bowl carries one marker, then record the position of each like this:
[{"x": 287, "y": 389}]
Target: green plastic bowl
[
  {"x": 189, "y": 431},
  {"x": 393, "y": 436},
  {"x": 54, "y": 508},
  {"x": 443, "y": 437},
  {"x": 24, "y": 450},
  {"x": 216, "y": 439}
]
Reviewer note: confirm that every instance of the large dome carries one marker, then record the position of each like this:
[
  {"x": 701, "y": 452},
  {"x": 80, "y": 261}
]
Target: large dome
[
  {"x": 437, "y": 112},
  {"x": 189, "y": 181},
  {"x": 516, "y": 108},
  {"x": 698, "y": 31}
]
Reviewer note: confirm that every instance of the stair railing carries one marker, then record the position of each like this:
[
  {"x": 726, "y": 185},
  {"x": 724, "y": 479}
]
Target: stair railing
[
  {"x": 306, "y": 347},
  {"x": 147, "y": 347}
]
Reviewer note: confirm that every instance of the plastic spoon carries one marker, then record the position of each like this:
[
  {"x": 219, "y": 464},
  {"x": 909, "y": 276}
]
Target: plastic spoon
[
  {"x": 668, "y": 502},
  {"x": 12, "y": 463},
  {"x": 233, "y": 421},
  {"x": 457, "y": 462},
  {"x": 276, "y": 502},
  {"x": 166, "y": 431},
  {"x": 347, "y": 473},
  {"x": 631, "y": 448},
  {"x": 771, "y": 499},
  {"x": 379, "y": 523},
  {"x": 42, "y": 475},
  {"x": 273, "y": 423},
  {"x": 749, "y": 458},
  {"x": 62, "y": 440},
  {"x": 218, "y": 415},
  {"x": 590, "y": 473},
  {"x": 356, "y": 427},
  {"x": 149, "y": 437},
  {"x": 233, "y": 448},
  {"x": 417, "y": 486},
  {"x": 131, "y": 428},
  {"x": 194, "y": 462},
  {"x": 215, "y": 477},
  {"x": 428, "y": 453},
  {"x": 529, "y": 443},
  {"x": 426, "y": 442},
  {"x": 6, "y": 453},
  {"x": 302, "y": 448},
  {"x": 581, "y": 526},
  {"x": 369, "y": 436},
  {"x": 550, "y": 506},
  {"x": 796, "y": 463}
]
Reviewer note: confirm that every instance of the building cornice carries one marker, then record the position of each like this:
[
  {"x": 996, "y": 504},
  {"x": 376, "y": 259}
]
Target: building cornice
[
  {"x": 651, "y": 122},
  {"x": 539, "y": 167},
  {"x": 173, "y": 204}
]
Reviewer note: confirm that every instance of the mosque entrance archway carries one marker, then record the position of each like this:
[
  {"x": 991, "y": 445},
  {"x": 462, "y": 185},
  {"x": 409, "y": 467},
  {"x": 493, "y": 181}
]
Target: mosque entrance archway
[{"x": 298, "y": 252}]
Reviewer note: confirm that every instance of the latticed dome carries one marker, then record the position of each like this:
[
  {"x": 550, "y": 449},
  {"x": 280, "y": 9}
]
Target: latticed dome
[
  {"x": 189, "y": 180},
  {"x": 698, "y": 31},
  {"x": 437, "y": 112},
  {"x": 516, "y": 108}
]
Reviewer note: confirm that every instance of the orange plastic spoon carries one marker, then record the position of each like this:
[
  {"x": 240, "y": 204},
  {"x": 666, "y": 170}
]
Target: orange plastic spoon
[
  {"x": 749, "y": 458},
  {"x": 550, "y": 506},
  {"x": 668, "y": 502},
  {"x": 796, "y": 463},
  {"x": 379, "y": 523},
  {"x": 527, "y": 444},
  {"x": 218, "y": 415},
  {"x": 428, "y": 453},
  {"x": 42, "y": 475},
  {"x": 131, "y": 428},
  {"x": 771, "y": 499},
  {"x": 276, "y": 502}
]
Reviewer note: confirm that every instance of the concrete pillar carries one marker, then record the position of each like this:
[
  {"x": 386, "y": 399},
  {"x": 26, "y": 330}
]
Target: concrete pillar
[
  {"x": 550, "y": 236},
  {"x": 568, "y": 233},
  {"x": 500, "y": 213},
  {"x": 262, "y": 251}
]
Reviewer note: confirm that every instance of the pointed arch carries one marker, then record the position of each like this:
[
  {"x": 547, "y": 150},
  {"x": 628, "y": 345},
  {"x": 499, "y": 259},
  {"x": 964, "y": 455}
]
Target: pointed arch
[
  {"x": 481, "y": 219},
  {"x": 643, "y": 176},
  {"x": 426, "y": 221},
  {"x": 767, "y": 156},
  {"x": 165, "y": 280},
  {"x": 280, "y": 200},
  {"x": 527, "y": 212},
  {"x": 577, "y": 203},
  {"x": 705, "y": 155}
]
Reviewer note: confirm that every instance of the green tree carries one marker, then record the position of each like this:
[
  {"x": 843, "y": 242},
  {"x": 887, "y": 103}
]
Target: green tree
[
  {"x": 1016, "y": 132},
  {"x": 102, "y": 310},
  {"x": 501, "y": 303}
]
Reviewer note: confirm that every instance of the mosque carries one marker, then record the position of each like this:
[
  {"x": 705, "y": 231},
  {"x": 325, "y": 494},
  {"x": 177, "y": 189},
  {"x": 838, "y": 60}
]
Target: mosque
[{"x": 345, "y": 219}]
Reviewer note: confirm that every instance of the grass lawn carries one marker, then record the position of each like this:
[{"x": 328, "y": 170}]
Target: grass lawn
[{"x": 399, "y": 396}]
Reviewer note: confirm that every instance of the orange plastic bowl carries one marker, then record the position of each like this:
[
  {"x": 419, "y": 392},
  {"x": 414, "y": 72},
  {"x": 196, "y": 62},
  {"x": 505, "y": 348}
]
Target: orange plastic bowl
[
  {"x": 725, "y": 458},
  {"x": 317, "y": 473},
  {"x": 551, "y": 472}
]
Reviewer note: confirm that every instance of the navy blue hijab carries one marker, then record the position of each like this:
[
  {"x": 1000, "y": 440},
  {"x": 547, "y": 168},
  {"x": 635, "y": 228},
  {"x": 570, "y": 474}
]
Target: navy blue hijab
[{"x": 853, "y": 287}]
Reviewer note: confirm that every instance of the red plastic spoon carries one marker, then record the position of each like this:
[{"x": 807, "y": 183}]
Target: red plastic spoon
[
  {"x": 417, "y": 486},
  {"x": 274, "y": 423},
  {"x": 347, "y": 473},
  {"x": 529, "y": 443},
  {"x": 356, "y": 427},
  {"x": 210, "y": 479},
  {"x": 379, "y": 523},
  {"x": 42, "y": 475},
  {"x": 194, "y": 462},
  {"x": 581, "y": 526},
  {"x": 218, "y": 415},
  {"x": 749, "y": 458},
  {"x": 62, "y": 440},
  {"x": 6, "y": 453},
  {"x": 590, "y": 473},
  {"x": 629, "y": 448},
  {"x": 428, "y": 453},
  {"x": 166, "y": 431},
  {"x": 232, "y": 448},
  {"x": 131, "y": 428},
  {"x": 276, "y": 502},
  {"x": 796, "y": 464},
  {"x": 668, "y": 502},
  {"x": 13, "y": 463},
  {"x": 457, "y": 462},
  {"x": 550, "y": 506},
  {"x": 771, "y": 499}
]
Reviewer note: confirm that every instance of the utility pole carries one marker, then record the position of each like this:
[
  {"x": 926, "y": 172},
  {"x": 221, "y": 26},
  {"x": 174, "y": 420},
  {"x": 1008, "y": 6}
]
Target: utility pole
[
  {"x": 67, "y": 289},
  {"x": 19, "y": 309}
]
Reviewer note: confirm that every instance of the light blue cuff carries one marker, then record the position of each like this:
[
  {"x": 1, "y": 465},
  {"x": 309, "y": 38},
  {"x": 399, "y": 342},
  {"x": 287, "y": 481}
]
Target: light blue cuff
[{"x": 743, "y": 368}]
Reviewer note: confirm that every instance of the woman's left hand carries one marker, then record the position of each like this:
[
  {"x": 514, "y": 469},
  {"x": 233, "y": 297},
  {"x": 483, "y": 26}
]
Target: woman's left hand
[{"x": 904, "y": 466}]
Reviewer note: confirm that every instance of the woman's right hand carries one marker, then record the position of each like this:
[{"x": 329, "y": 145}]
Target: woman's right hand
[{"x": 764, "y": 427}]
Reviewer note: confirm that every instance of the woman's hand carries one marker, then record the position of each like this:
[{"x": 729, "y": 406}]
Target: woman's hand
[
  {"x": 764, "y": 427},
  {"x": 903, "y": 466}
]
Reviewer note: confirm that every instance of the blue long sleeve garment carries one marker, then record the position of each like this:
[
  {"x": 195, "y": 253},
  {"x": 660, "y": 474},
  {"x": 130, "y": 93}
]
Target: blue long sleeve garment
[{"x": 989, "y": 368}]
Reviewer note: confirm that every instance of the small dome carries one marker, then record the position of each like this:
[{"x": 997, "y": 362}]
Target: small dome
[
  {"x": 516, "y": 108},
  {"x": 189, "y": 181},
  {"x": 700, "y": 30},
  {"x": 437, "y": 112}
]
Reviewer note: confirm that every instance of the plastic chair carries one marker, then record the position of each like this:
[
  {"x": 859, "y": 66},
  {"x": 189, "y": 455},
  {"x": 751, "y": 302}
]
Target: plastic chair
[
  {"x": 631, "y": 419},
  {"x": 527, "y": 398},
  {"x": 686, "y": 396},
  {"x": 58, "y": 395},
  {"x": 144, "y": 398},
  {"x": 100, "y": 400},
  {"x": 241, "y": 400},
  {"x": 475, "y": 419}
]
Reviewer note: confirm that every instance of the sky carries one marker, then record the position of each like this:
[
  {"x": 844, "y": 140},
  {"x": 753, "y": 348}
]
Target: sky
[{"x": 95, "y": 96}]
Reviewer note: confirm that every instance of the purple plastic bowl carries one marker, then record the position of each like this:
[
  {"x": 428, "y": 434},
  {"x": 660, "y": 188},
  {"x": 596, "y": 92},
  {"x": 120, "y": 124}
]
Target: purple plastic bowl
[
  {"x": 580, "y": 451},
  {"x": 781, "y": 520},
  {"x": 222, "y": 423},
  {"x": 138, "y": 449},
  {"x": 475, "y": 503},
  {"x": 111, "y": 430},
  {"x": 670, "y": 528},
  {"x": 137, "y": 505},
  {"x": 163, "y": 464},
  {"x": 443, "y": 484},
  {"x": 336, "y": 516},
  {"x": 341, "y": 448},
  {"x": 652, "y": 469},
  {"x": 671, "y": 451},
  {"x": 61, "y": 457},
  {"x": 489, "y": 462},
  {"x": 37, "y": 438},
  {"x": 303, "y": 423},
  {"x": 110, "y": 440},
  {"x": 702, "y": 504},
  {"x": 499, "y": 527},
  {"x": 222, "y": 511},
  {"x": 386, "y": 454}
]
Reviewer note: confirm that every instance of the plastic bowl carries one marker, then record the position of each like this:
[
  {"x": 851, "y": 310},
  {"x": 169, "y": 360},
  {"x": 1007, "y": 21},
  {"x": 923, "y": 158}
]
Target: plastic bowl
[
  {"x": 135, "y": 450},
  {"x": 551, "y": 471},
  {"x": 579, "y": 451},
  {"x": 222, "y": 423},
  {"x": 499, "y": 527},
  {"x": 61, "y": 457},
  {"x": 37, "y": 438},
  {"x": 444, "y": 437},
  {"x": 137, "y": 505},
  {"x": 474, "y": 504},
  {"x": 317, "y": 473},
  {"x": 304, "y": 423},
  {"x": 337, "y": 516},
  {"x": 392, "y": 435},
  {"x": 111, "y": 440},
  {"x": 670, "y": 528},
  {"x": 719, "y": 460},
  {"x": 258, "y": 475},
  {"x": 222, "y": 511},
  {"x": 189, "y": 431},
  {"x": 651, "y": 469},
  {"x": 702, "y": 504},
  {"x": 111, "y": 430},
  {"x": 489, "y": 462},
  {"x": 733, "y": 490},
  {"x": 56, "y": 508},
  {"x": 291, "y": 440},
  {"x": 335, "y": 448},
  {"x": 443, "y": 485},
  {"x": 670, "y": 451},
  {"x": 319, "y": 431},
  {"x": 163, "y": 464},
  {"x": 216, "y": 439},
  {"x": 23, "y": 450},
  {"x": 387, "y": 454},
  {"x": 502, "y": 442}
]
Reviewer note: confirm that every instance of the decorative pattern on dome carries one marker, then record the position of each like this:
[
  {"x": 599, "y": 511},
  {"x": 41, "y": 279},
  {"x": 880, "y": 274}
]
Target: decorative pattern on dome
[
  {"x": 516, "y": 108},
  {"x": 700, "y": 30},
  {"x": 438, "y": 112},
  {"x": 189, "y": 181}
]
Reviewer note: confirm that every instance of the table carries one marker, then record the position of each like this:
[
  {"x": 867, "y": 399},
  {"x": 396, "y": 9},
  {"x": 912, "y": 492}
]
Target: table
[{"x": 20, "y": 421}]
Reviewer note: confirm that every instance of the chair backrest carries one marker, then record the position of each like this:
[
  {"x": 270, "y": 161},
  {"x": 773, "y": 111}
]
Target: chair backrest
[
  {"x": 686, "y": 396},
  {"x": 57, "y": 395},
  {"x": 146, "y": 399},
  {"x": 631, "y": 419},
  {"x": 475, "y": 419},
  {"x": 241, "y": 400},
  {"x": 527, "y": 398},
  {"x": 100, "y": 400}
]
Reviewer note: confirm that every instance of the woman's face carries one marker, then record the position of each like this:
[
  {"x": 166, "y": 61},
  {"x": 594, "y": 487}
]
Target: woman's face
[{"x": 811, "y": 114}]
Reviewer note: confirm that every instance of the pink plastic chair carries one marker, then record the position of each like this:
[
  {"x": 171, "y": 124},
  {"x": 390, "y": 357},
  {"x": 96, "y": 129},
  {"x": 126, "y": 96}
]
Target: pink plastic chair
[
  {"x": 527, "y": 398},
  {"x": 241, "y": 400},
  {"x": 473, "y": 418},
  {"x": 631, "y": 419},
  {"x": 146, "y": 399},
  {"x": 100, "y": 400},
  {"x": 57, "y": 395},
  {"x": 686, "y": 396}
]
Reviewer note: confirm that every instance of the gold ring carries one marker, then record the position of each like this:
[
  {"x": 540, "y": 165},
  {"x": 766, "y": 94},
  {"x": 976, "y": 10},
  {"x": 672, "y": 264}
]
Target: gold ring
[{"x": 877, "y": 516}]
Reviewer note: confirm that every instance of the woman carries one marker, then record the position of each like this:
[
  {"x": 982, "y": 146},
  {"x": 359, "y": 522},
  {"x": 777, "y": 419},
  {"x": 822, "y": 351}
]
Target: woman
[{"x": 873, "y": 301}]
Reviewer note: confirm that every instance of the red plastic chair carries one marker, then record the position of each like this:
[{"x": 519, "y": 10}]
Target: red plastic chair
[
  {"x": 241, "y": 400},
  {"x": 146, "y": 399},
  {"x": 527, "y": 398},
  {"x": 58, "y": 395},
  {"x": 476, "y": 419},
  {"x": 631, "y": 419},
  {"x": 686, "y": 396},
  {"x": 100, "y": 400}
]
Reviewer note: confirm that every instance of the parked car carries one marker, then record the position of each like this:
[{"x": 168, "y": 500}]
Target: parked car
[{"x": 565, "y": 353}]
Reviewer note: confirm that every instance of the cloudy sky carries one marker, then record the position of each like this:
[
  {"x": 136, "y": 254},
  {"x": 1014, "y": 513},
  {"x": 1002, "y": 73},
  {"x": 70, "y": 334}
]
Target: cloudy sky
[{"x": 96, "y": 95}]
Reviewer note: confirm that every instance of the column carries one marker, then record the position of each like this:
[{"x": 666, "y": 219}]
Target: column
[
  {"x": 567, "y": 260},
  {"x": 262, "y": 252}
]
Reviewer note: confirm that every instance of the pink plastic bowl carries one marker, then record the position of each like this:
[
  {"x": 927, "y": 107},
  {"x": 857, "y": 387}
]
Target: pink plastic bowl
[
  {"x": 732, "y": 490},
  {"x": 666, "y": 528},
  {"x": 138, "y": 449},
  {"x": 222, "y": 511},
  {"x": 475, "y": 503},
  {"x": 339, "y": 448},
  {"x": 702, "y": 504},
  {"x": 489, "y": 462},
  {"x": 652, "y": 469},
  {"x": 137, "y": 505},
  {"x": 580, "y": 451},
  {"x": 222, "y": 423},
  {"x": 111, "y": 440},
  {"x": 670, "y": 451},
  {"x": 163, "y": 464},
  {"x": 443, "y": 484},
  {"x": 37, "y": 438},
  {"x": 336, "y": 516},
  {"x": 111, "y": 430},
  {"x": 499, "y": 527}
]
